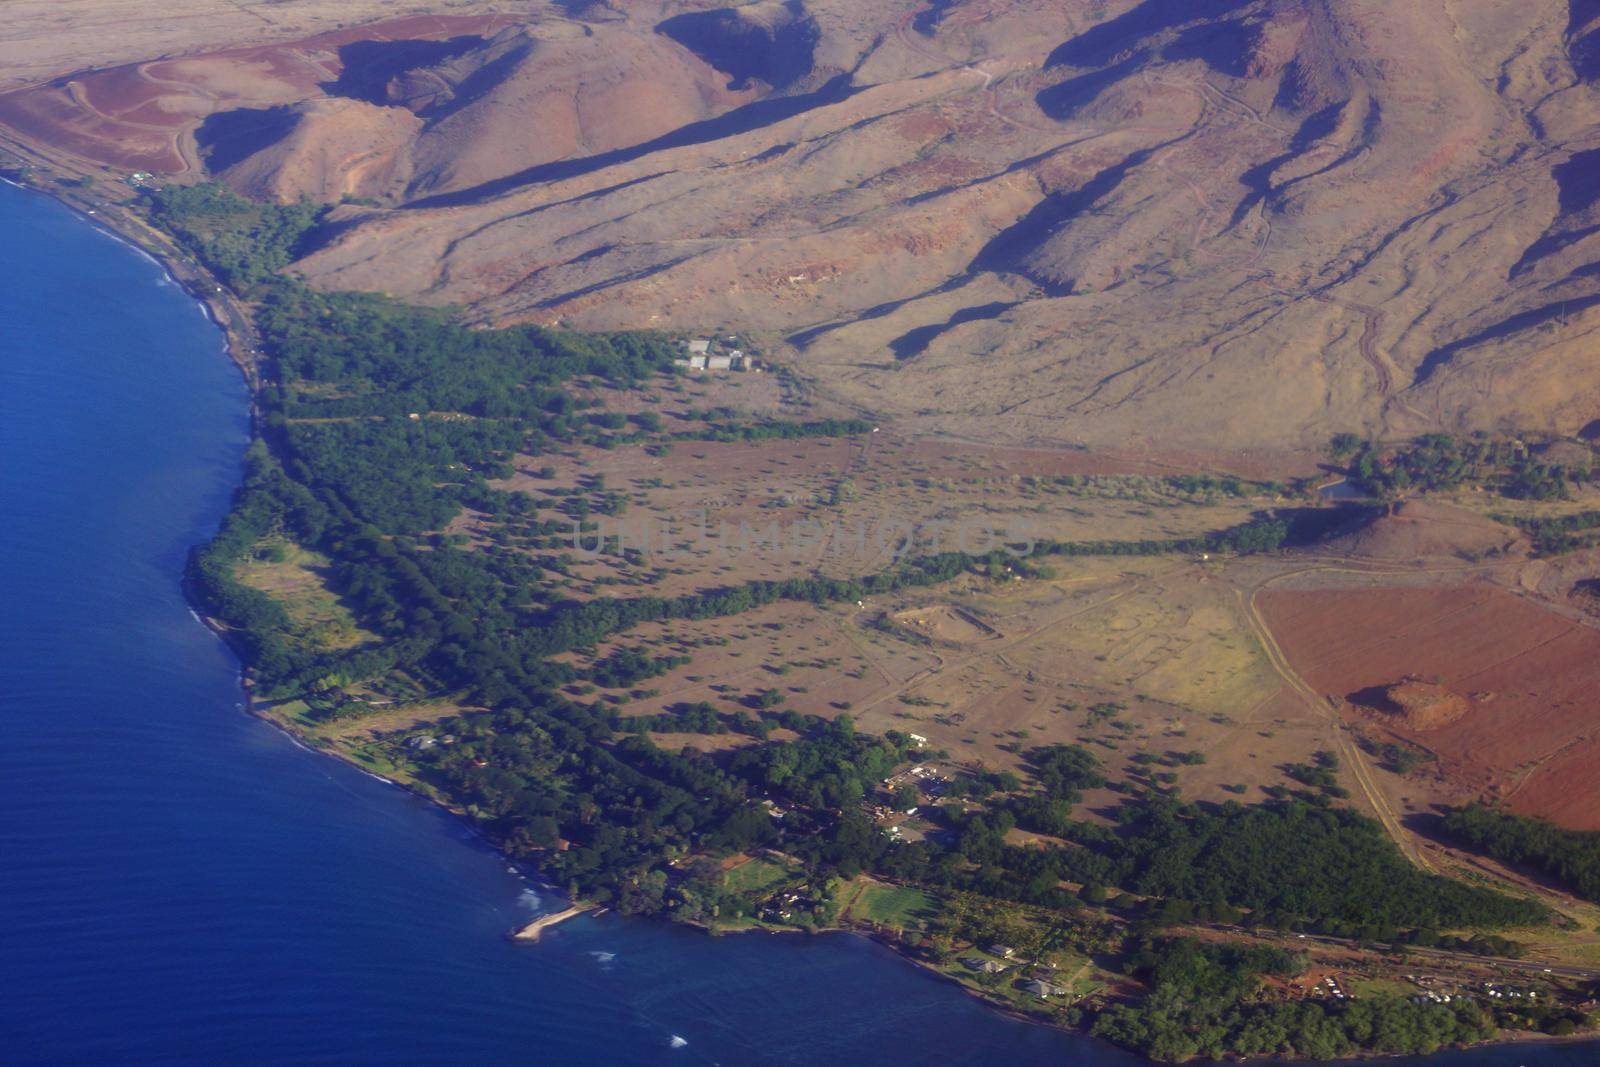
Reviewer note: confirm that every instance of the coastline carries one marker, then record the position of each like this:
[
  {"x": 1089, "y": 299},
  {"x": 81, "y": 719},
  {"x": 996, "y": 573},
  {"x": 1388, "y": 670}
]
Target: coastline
[
  {"x": 240, "y": 346},
  {"x": 113, "y": 218},
  {"x": 237, "y": 346}
]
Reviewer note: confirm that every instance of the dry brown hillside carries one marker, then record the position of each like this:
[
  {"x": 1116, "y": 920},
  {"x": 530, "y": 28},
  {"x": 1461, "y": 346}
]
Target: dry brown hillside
[{"x": 1190, "y": 223}]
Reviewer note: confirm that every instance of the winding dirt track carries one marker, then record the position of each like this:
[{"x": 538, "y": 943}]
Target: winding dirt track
[
  {"x": 906, "y": 37},
  {"x": 1373, "y": 322},
  {"x": 1348, "y": 752}
]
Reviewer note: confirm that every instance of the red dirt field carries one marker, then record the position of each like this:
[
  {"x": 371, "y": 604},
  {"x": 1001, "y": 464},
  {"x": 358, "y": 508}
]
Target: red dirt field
[
  {"x": 1532, "y": 735},
  {"x": 54, "y": 116},
  {"x": 136, "y": 117}
]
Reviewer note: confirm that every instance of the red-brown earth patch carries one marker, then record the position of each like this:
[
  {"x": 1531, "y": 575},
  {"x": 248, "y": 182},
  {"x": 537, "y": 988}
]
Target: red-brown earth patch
[
  {"x": 136, "y": 116},
  {"x": 1532, "y": 733}
]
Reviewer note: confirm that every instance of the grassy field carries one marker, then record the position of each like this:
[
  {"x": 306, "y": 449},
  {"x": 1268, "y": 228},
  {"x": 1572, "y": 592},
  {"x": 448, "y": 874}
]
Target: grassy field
[
  {"x": 359, "y": 747},
  {"x": 754, "y": 876},
  {"x": 297, "y": 579},
  {"x": 1381, "y": 987},
  {"x": 892, "y": 905}
]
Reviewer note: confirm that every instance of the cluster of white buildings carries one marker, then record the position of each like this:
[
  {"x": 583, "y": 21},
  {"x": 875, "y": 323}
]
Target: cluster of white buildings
[
  {"x": 1490, "y": 990},
  {"x": 1333, "y": 989},
  {"x": 704, "y": 353}
]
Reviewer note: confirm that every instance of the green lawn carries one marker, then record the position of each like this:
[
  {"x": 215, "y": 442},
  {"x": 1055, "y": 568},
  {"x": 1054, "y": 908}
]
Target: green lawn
[
  {"x": 755, "y": 876},
  {"x": 1380, "y": 987},
  {"x": 892, "y": 905}
]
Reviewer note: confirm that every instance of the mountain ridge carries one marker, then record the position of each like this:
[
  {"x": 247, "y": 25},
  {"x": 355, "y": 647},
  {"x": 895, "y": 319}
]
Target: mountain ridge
[{"x": 1234, "y": 224}]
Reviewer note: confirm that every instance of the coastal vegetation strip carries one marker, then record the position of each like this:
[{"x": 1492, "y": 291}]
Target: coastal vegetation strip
[{"x": 380, "y": 424}]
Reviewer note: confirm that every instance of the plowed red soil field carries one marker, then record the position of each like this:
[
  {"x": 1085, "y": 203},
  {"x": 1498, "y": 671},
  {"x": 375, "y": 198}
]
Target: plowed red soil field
[{"x": 1532, "y": 736}]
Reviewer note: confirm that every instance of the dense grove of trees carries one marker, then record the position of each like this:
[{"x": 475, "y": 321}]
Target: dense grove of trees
[
  {"x": 344, "y": 469},
  {"x": 353, "y": 354},
  {"x": 259, "y": 625},
  {"x": 1443, "y": 461},
  {"x": 1556, "y": 534},
  {"x": 403, "y": 476},
  {"x": 1571, "y": 857},
  {"x": 1063, "y": 772},
  {"x": 1202, "y": 1003},
  {"x": 244, "y": 243},
  {"x": 628, "y": 666},
  {"x": 1292, "y": 862},
  {"x": 1286, "y": 864}
]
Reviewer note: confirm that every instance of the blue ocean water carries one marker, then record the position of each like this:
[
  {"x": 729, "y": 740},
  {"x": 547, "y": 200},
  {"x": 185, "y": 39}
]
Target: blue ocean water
[{"x": 180, "y": 883}]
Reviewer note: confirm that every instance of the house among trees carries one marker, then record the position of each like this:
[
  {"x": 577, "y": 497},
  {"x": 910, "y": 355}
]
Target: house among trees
[
  {"x": 1042, "y": 989},
  {"x": 982, "y": 966}
]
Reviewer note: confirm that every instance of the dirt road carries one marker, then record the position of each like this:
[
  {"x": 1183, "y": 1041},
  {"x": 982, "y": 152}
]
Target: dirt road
[{"x": 1349, "y": 754}]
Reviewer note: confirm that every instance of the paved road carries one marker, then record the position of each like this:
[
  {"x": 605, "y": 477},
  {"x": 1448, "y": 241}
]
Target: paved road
[{"x": 1527, "y": 966}]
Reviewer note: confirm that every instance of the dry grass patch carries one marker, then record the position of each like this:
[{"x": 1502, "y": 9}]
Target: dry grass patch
[{"x": 297, "y": 578}]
